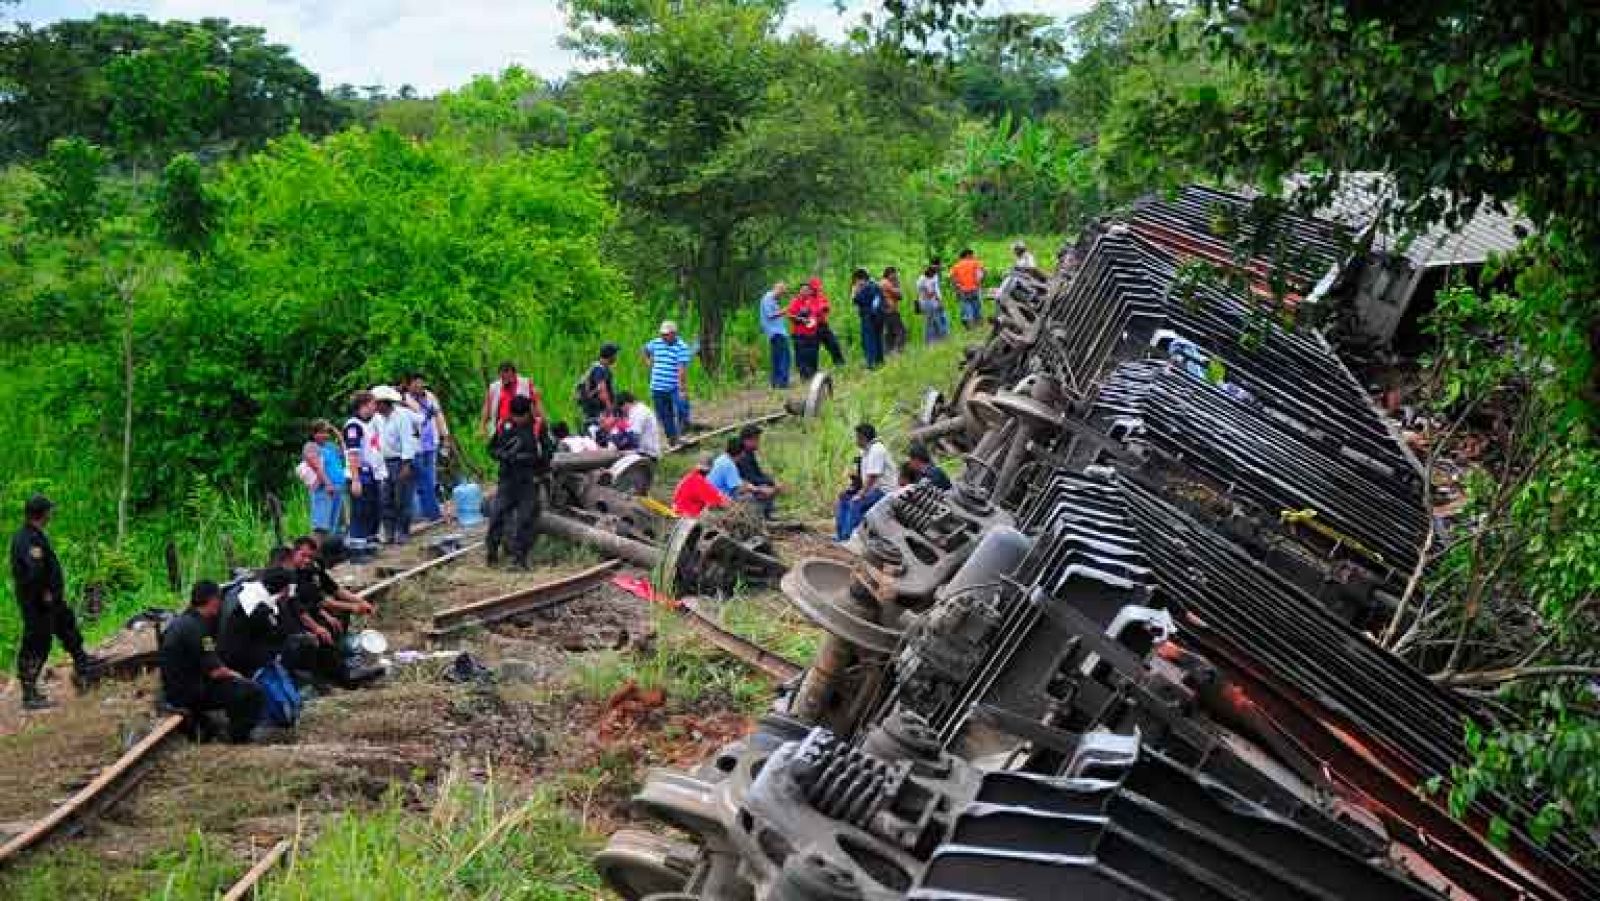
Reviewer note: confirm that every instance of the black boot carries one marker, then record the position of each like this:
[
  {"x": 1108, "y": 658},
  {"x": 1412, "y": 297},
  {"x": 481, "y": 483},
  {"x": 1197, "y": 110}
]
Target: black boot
[
  {"x": 85, "y": 670},
  {"x": 32, "y": 698}
]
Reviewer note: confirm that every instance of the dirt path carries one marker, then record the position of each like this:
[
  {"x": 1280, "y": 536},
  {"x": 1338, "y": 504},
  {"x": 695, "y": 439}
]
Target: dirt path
[{"x": 561, "y": 706}]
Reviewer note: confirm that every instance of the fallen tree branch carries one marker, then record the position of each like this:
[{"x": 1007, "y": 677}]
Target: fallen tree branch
[{"x": 1516, "y": 673}]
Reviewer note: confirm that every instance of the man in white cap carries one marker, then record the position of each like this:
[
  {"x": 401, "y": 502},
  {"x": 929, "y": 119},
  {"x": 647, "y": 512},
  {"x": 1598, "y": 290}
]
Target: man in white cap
[
  {"x": 399, "y": 438},
  {"x": 669, "y": 376},
  {"x": 1024, "y": 257}
]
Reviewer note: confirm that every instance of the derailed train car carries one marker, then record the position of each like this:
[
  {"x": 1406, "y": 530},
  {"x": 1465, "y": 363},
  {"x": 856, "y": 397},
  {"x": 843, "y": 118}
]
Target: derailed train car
[{"x": 1124, "y": 656}]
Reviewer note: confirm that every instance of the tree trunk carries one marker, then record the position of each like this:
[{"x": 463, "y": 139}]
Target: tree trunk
[
  {"x": 712, "y": 274},
  {"x": 125, "y": 288}
]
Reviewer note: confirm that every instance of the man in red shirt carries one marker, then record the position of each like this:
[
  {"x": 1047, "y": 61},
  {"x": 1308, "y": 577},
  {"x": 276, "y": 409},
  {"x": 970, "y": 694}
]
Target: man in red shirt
[
  {"x": 695, "y": 494},
  {"x": 808, "y": 313}
]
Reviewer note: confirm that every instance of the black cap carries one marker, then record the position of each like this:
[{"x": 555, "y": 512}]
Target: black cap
[
  {"x": 276, "y": 579},
  {"x": 750, "y": 431},
  {"x": 37, "y": 506},
  {"x": 608, "y": 350}
]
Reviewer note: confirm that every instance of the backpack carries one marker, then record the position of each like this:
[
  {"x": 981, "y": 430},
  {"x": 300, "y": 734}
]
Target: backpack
[
  {"x": 282, "y": 698},
  {"x": 587, "y": 392}
]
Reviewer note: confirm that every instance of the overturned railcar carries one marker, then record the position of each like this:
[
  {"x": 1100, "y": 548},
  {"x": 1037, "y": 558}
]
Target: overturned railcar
[{"x": 1124, "y": 657}]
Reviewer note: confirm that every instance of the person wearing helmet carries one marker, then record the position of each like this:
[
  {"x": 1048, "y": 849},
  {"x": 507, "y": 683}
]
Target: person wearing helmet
[{"x": 42, "y": 594}]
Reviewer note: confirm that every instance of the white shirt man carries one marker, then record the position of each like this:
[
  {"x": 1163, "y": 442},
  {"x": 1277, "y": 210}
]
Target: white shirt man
[
  {"x": 876, "y": 467},
  {"x": 646, "y": 429}
]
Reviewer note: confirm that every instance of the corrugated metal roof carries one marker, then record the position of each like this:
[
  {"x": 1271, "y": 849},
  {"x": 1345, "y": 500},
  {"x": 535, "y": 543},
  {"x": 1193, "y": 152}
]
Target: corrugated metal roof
[{"x": 1361, "y": 197}]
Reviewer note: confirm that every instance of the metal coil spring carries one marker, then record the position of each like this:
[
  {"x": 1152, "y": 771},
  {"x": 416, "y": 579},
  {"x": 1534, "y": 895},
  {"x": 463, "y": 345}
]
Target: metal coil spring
[
  {"x": 920, "y": 507},
  {"x": 841, "y": 782}
]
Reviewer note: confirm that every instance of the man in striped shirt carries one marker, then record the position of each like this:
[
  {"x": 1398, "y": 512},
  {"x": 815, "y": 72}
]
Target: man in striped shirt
[{"x": 669, "y": 373}]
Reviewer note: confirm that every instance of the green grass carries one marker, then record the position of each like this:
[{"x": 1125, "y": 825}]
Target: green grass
[
  {"x": 195, "y": 868},
  {"x": 679, "y": 663},
  {"x": 475, "y": 842}
]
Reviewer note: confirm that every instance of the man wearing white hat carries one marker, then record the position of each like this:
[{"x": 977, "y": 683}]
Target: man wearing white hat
[
  {"x": 669, "y": 374},
  {"x": 399, "y": 438}
]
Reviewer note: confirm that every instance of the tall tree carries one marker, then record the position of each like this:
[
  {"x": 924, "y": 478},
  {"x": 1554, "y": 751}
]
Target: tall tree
[
  {"x": 1010, "y": 64},
  {"x": 162, "y": 86},
  {"x": 723, "y": 138}
]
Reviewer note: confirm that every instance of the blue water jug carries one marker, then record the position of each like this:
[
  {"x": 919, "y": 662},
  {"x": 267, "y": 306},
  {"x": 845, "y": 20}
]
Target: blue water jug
[{"x": 468, "y": 499}]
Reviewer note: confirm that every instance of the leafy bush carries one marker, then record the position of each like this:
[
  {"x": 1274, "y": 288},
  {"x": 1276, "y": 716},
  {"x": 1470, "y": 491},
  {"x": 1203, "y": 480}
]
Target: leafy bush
[{"x": 339, "y": 265}]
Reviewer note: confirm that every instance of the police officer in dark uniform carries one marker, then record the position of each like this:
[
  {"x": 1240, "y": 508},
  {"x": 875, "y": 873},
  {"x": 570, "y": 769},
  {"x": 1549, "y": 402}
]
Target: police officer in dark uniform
[
  {"x": 194, "y": 678},
  {"x": 523, "y": 448},
  {"x": 42, "y": 594}
]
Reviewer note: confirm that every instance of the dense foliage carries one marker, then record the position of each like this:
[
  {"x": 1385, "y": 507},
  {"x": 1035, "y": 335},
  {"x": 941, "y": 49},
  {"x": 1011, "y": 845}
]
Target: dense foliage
[{"x": 151, "y": 88}]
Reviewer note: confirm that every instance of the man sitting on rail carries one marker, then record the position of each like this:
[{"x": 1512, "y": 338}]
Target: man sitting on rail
[
  {"x": 194, "y": 679},
  {"x": 253, "y": 628},
  {"x": 695, "y": 494},
  {"x": 763, "y": 488},
  {"x": 310, "y": 562},
  {"x": 321, "y": 602}
]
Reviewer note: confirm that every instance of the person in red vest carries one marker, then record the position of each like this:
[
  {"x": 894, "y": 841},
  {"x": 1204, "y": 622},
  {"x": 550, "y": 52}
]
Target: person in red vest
[
  {"x": 695, "y": 494},
  {"x": 808, "y": 311},
  {"x": 497, "y": 401}
]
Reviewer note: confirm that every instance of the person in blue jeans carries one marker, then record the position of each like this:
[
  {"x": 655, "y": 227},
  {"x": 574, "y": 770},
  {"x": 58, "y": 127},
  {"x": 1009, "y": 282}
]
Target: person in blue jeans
[
  {"x": 868, "y": 483},
  {"x": 324, "y": 458},
  {"x": 668, "y": 358},
  {"x": 868, "y": 298},
  {"x": 775, "y": 325},
  {"x": 433, "y": 434}
]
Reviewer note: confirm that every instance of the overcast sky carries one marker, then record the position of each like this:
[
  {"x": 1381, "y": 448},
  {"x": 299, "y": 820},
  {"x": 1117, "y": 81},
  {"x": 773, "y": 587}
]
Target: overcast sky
[{"x": 432, "y": 45}]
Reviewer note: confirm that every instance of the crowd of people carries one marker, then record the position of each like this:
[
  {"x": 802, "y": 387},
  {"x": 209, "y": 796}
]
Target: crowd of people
[
  {"x": 797, "y": 328},
  {"x": 376, "y": 477}
]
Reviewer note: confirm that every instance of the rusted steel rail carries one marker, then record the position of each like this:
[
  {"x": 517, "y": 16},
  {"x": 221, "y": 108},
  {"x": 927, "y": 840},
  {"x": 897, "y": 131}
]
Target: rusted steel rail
[
  {"x": 110, "y": 784},
  {"x": 526, "y": 600},
  {"x": 263, "y": 866},
  {"x": 381, "y": 587},
  {"x": 780, "y": 669},
  {"x": 117, "y": 780},
  {"x": 697, "y": 440}
]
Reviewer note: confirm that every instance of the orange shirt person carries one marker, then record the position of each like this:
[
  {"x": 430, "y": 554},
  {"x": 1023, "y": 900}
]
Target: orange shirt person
[{"x": 967, "y": 275}]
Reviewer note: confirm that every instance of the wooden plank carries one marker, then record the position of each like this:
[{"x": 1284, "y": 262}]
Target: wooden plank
[
  {"x": 88, "y": 793},
  {"x": 265, "y": 864},
  {"x": 495, "y": 609},
  {"x": 378, "y": 588}
]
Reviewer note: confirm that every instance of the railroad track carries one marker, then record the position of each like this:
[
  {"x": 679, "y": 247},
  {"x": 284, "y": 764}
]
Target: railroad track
[
  {"x": 100, "y": 794},
  {"x": 118, "y": 780},
  {"x": 776, "y": 667},
  {"x": 522, "y": 601}
]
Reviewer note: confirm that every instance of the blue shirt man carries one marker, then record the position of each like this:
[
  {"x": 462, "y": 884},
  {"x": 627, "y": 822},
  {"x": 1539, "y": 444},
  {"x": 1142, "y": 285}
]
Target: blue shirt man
[
  {"x": 669, "y": 366},
  {"x": 775, "y": 325},
  {"x": 725, "y": 475}
]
